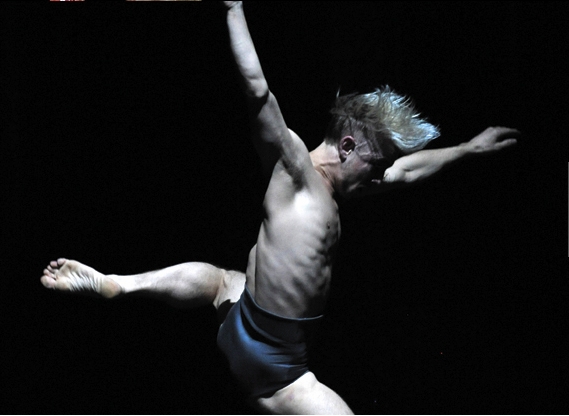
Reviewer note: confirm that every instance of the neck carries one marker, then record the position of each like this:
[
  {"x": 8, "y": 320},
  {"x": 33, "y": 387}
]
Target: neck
[{"x": 326, "y": 162}]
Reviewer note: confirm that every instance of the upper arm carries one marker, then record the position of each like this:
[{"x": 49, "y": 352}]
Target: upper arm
[{"x": 272, "y": 138}]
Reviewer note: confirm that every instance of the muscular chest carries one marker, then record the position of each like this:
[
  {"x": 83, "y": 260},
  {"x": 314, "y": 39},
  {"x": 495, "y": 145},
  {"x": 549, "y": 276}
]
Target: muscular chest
[{"x": 306, "y": 218}]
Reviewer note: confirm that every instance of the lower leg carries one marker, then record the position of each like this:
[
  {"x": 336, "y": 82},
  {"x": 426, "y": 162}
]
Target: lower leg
[{"x": 188, "y": 284}]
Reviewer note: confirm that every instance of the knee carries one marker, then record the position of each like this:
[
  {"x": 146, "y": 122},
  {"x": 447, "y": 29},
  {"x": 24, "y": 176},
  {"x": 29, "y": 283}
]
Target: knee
[
  {"x": 231, "y": 285},
  {"x": 305, "y": 396},
  {"x": 288, "y": 399}
]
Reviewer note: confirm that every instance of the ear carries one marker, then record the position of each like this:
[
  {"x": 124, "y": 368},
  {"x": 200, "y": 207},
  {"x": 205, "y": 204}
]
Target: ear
[{"x": 346, "y": 146}]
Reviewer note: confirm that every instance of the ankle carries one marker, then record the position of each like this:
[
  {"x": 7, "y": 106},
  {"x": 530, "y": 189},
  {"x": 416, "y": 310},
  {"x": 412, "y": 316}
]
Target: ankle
[
  {"x": 115, "y": 286},
  {"x": 122, "y": 284}
]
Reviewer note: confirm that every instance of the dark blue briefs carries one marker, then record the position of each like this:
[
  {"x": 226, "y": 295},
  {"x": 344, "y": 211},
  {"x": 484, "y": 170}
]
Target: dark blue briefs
[{"x": 266, "y": 352}]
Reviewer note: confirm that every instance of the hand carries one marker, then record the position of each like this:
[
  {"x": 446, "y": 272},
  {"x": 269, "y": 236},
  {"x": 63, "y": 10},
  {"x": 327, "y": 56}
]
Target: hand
[
  {"x": 493, "y": 139},
  {"x": 231, "y": 4}
]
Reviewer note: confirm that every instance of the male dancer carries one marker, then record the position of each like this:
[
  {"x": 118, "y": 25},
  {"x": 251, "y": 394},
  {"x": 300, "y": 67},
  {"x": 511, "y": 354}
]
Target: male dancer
[{"x": 373, "y": 144}]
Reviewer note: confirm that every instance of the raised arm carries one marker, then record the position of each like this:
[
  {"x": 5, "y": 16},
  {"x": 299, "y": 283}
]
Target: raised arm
[
  {"x": 423, "y": 164},
  {"x": 254, "y": 83},
  {"x": 271, "y": 137}
]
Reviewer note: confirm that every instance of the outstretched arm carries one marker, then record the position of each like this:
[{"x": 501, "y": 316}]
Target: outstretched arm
[
  {"x": 271, "y": 137},
  {"x": 423, "y": 164}
]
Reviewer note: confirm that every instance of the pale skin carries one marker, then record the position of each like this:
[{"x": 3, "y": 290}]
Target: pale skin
[{"x": 289, "y": 269}]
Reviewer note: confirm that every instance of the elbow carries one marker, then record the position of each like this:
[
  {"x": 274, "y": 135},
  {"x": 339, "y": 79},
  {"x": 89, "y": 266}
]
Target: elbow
[
  {"x": 257, "y": 90},
  {"x": 412, "y": 177},
  {"x": 402, "y": 178}
]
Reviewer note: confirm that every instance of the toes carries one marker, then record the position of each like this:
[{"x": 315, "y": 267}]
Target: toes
[
  {"x": 49, "y": 278},
  {"x": 48, "y": 282},
  {"x": 56, "y": 264}
]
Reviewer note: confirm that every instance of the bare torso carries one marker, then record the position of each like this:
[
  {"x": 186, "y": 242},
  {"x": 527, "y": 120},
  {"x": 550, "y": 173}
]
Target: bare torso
[{"x": 290, "y": 267}]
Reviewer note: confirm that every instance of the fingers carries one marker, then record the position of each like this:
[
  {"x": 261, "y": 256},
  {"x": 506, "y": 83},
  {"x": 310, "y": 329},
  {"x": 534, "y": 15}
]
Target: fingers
[
  {"x": 503, "y": 137},
  {"x": 508, "y": 132},
  {"x": 506, "y": 143},
  {"x": 502, "y": 129}
]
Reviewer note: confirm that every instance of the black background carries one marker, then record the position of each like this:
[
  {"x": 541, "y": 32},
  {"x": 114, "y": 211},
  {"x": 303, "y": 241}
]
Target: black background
[{"x": 125, "y": 146}]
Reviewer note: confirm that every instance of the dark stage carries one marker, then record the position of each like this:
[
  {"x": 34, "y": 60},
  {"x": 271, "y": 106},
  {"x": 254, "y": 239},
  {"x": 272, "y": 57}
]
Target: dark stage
[{"x": 125, "y": 146}]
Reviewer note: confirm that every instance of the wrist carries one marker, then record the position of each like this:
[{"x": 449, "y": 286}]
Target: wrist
[
  {"x": 466, "y": 149},
  {"x": 233, "y": 6}
]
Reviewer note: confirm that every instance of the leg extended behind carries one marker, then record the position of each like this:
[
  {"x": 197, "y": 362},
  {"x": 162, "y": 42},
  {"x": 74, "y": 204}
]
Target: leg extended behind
[{"x": 190, "y": 284}]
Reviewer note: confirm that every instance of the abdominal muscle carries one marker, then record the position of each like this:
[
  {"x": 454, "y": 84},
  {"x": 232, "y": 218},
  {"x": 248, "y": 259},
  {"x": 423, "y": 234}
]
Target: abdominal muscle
[{"x": 290, "y": 268}]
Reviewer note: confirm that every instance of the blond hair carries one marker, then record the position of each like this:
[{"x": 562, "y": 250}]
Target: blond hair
[{"x": 381, "y": 114}]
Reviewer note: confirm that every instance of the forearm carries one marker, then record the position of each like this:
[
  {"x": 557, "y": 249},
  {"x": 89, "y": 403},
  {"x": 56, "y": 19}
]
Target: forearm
[
  {"x": 244, "y": 53},
  {"x": 424, "y": 164}
]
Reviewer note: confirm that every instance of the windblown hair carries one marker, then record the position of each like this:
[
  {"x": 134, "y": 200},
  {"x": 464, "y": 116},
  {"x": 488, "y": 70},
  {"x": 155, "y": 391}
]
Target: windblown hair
[{"x": 379, "y": 115}]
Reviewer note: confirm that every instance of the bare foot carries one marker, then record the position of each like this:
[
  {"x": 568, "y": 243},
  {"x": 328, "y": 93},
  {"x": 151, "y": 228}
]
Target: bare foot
[{"x": 72, "y": 276}]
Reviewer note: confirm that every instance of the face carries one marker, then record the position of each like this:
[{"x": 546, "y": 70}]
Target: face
[{"x": 363, "y": 169}]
